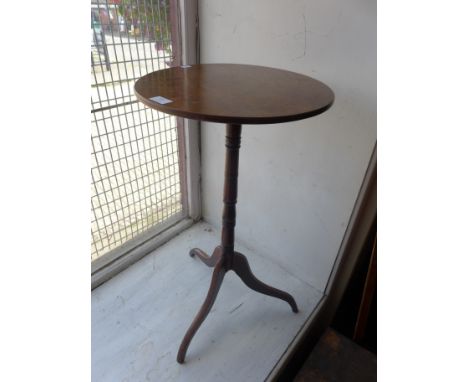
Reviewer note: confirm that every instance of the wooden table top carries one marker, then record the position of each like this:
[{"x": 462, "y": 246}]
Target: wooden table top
[{"x": 233, "y": 93}]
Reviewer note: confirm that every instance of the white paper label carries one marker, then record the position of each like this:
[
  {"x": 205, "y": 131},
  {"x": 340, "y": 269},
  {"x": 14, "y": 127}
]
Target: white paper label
[{"x": 160, "y": 100}]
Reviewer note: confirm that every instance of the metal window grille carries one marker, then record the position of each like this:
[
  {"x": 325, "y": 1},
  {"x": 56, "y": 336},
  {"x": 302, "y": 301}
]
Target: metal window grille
[{"x": 136, "y": 170}]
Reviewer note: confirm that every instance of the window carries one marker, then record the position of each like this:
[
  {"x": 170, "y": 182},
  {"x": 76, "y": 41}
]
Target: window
[{"x": 138, "y": 172}]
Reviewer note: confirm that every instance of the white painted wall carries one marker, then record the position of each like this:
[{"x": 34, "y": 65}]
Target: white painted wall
[{"x": 298, "y": 181}]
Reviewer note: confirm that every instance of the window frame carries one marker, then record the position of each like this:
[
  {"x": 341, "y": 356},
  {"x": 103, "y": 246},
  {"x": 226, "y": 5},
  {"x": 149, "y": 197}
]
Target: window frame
[{"x": 184, "y": 14}]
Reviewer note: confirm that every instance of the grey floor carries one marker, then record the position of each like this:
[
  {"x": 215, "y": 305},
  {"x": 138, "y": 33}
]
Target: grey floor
[{"x": 140, "y": 316}]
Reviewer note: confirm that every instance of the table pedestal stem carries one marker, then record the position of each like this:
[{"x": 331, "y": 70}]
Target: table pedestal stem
[
  {"x": 224, "y": 258},
  {"x": 231, "y": 170}
]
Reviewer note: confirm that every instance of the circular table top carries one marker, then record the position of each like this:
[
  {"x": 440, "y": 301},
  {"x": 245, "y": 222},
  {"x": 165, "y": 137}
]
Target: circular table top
[{"x": 233, "y": 93}]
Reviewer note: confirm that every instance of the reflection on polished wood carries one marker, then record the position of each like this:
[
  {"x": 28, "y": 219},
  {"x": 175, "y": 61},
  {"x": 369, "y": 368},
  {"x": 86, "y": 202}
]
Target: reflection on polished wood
[{"x": 230, "y": 93}]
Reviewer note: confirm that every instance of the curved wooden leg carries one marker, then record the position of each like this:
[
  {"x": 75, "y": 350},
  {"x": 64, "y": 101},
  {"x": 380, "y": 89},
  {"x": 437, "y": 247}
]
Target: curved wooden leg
[
  {"x": 216, "y": 281},
  {"x": 240, "y": 265},
  {"x": 208, "y": 260}
]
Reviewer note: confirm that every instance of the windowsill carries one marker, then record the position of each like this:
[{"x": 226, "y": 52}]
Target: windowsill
[
  {"x": 140, "y": 316},
  {"x": 115, "y": 261}
]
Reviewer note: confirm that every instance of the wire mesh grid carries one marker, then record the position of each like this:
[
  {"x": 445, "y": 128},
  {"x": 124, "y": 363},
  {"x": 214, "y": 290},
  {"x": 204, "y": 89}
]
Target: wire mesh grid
[{"x": 135, "y": 150}]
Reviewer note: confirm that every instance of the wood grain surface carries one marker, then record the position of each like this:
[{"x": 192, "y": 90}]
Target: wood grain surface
[{"x": 234, "y": 93}]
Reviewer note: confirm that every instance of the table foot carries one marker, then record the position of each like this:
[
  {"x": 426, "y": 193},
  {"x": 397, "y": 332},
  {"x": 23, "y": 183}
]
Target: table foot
[
  {"x": 208, "y": 260},
  {"x": 216, "y": 281},
  {"x": 223, "y": 263},
  {"x": 240, "y": 265}
]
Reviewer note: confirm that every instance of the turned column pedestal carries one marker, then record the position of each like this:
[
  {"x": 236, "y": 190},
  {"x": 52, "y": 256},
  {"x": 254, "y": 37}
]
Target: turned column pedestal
[{"x": 224, "y": 258}]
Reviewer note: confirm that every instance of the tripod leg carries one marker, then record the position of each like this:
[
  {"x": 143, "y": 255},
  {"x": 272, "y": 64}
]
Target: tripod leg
[
  {"x": 216, "y": 281},
  {"x": 240, "y": 265},
  {"x": 208, "y": 260}
]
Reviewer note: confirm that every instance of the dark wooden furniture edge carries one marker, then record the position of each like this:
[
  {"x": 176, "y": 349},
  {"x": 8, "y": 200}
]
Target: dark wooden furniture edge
[
  {"x": 367, "y": 296},
  {"x": 362, "y": 218},
  {"x": 232, "y": 119}
]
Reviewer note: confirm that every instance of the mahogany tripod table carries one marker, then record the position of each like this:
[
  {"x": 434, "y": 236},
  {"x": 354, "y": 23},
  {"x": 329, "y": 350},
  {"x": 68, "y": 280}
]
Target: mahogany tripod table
[{"x": 235, "y": 95}]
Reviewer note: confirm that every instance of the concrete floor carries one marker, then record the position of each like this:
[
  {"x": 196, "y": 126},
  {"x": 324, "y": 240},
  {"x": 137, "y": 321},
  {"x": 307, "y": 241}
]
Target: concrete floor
[{"x": 140, "y": 316}]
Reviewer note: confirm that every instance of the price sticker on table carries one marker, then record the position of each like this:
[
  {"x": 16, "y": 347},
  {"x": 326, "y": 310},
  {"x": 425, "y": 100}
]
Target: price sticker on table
[{"x": 161, "y": 100}]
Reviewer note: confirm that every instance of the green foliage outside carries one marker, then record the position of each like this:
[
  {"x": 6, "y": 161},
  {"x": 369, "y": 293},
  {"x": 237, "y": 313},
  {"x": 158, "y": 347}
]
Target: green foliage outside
[{"x": 151, "y": 17}]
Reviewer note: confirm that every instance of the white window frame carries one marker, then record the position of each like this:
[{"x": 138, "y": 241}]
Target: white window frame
[{"x": 115, "y": 261}]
